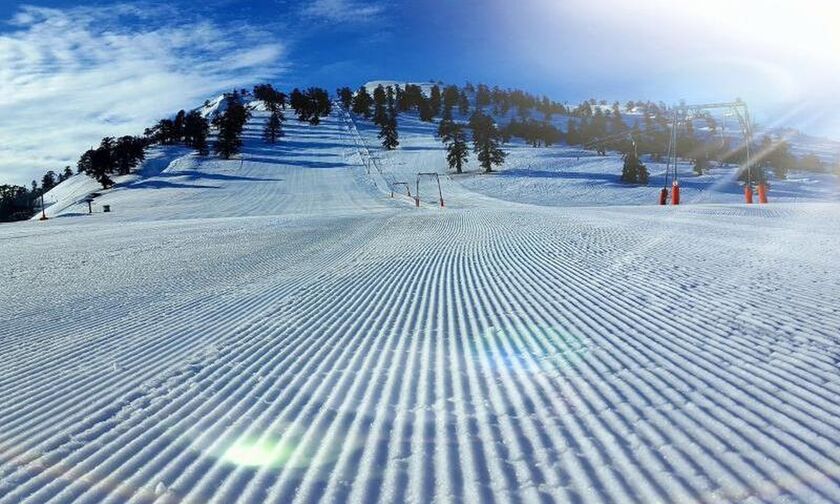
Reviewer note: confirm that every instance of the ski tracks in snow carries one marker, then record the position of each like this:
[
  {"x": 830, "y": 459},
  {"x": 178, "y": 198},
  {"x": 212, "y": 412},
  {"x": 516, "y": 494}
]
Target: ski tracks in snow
[
  {"x": 351, "y": 349},
  {"x": 472, "y": 356}
]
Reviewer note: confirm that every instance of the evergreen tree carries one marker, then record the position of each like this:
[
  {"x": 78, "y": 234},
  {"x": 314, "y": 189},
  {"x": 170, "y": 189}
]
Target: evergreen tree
[
  {"x": 98, "y": 163},
  {"x": 311, "y": 105},
  {"x": 17, "y": 202},
  {"x": 402, "y": 101},
  {"x": 48, "y": 181},
  {"x": 482, "y": 97},
  {"x": 486, "y": 141},
  {"x": 128, "y": 152},
  {"x": 444, "y": 129},
  {"x": 230, "y": 124},
  {"x": 178, "y": 127},
  {"x": 273, "y": 99},
  {"x": 392, "y": 98},
  {"x": 634, "y": 171},
  {"x": 299, "y": 104},
  {"x": 463, "y": 103},
  {"x": 451, "y": 96},
  {"x": 320, "y": 102},
  {"x": 413, "y": 98},
  {"x": 388, "y": 132},
  {"x": 572, "y": 134},
  {"x": 273, "y": 127},
  {"x": 380, "y": 98},
  {"x": 362, "y": 102},
  {"x": 435, "y": 100},
  {"x": 196, "y": 130},
  {"x": 112, "y": 157},
  {"x": 68, "y": 172},
  {"x": 454, "y": 138},
  {"x": 164, "y": 132},
  {"x": 380, "y": 114},
  {"x": 427, "y": 113},
  {"x": 345, "y": 95}
]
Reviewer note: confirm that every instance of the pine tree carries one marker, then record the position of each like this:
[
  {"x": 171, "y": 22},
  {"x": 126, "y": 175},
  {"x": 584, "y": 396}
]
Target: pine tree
[
  {"x": 128, "y": 152},
  {"x": 362, "y": 102},
  {"x": 444, "y": 129},
  {"x": 68, "y": 172},
  {"x": 482, "y": 97},
  {"x": 435, "y": 100},
  {"x": 196, "y": 129},
  {"x": 392, "y": 98},
  {"x": 98, "y": 163},
  {"x": 451, "y": 95},
  {"x": 454, "y": 138},
  {"x": 380, "y": 114},
  {"x": 399, "y": 97},
  {"x": 427, "y": 113},
  {"x": 16, "y": 203},
  {"x": 273, "y": 127},
  {"x": 311, "y": 105},
  {"x": 320, "y": 102},
  {"x": 463, "y": 103},
  {"x": 230, "y": 123},
  {"x": 388, "y": 132},
  {"x": 486, "y": 141},
  {"x": 178, "y": 127},
  {"x": 413, "y": 98},
  {"x": 48, "y": 181},
  {"x": 380, "y": 97},
  {"x": 634, "y": 171},
  {"x": 273, "y": 99},
  {"x": 345, "y": 95}
]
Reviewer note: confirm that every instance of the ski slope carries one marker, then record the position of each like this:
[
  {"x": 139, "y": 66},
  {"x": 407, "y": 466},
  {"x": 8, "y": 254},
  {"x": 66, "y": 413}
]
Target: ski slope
[{"x": 276, "y": 328}]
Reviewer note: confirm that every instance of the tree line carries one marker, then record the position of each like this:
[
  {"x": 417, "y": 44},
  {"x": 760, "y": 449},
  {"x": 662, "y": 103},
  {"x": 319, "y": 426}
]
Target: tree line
[{"x": 593, "y": 125}]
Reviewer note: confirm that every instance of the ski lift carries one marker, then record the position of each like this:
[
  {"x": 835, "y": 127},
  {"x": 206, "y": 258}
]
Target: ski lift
[
  {"x": 723, "y": 128},
  {"x": 417, "y": 189}
]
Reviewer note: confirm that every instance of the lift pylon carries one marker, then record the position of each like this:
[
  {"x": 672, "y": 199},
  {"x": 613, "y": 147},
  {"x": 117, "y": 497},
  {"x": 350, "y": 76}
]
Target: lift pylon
[
  {"x": 684, "y": 113},
  {"x": 417, "y": 189}
]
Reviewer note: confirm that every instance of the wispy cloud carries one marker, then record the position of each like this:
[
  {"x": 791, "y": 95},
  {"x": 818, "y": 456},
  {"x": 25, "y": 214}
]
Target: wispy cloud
[
  {"x": 344, "y": 11},
  {"x": 71, "y": 76}
]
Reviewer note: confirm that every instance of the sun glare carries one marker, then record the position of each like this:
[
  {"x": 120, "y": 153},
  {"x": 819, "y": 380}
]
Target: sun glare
[{"x": 257, "y": 453}]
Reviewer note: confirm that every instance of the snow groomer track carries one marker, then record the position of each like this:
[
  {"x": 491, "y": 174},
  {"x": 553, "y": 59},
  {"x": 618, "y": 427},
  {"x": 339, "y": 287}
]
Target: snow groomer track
[{"x": 279, "y": 330}]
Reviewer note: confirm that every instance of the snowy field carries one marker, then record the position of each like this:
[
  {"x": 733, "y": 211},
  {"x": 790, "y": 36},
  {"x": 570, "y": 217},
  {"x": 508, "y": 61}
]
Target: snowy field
[{"x": 277, "y": 329}]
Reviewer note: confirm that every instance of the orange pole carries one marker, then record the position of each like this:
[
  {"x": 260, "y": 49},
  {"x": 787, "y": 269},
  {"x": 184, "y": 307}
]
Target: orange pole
[
  {"x": 748, "y": 194},
  {"x": 675, "y": 193},
  {"x": 762, "y": 193}
]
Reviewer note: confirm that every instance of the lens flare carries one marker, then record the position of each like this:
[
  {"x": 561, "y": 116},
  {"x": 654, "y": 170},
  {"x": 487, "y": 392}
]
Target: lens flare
[
  {"x": 537, "y": 348},
  {"x": 257, "y": 453}
]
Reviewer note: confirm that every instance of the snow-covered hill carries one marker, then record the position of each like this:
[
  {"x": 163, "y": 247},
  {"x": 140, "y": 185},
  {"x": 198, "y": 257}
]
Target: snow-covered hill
[
  {"x": 548, "y": 176},
  {"x": 277, "y": 328}
]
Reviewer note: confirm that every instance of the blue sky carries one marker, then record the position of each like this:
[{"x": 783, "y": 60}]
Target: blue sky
[{"x": 72, "y": 72}]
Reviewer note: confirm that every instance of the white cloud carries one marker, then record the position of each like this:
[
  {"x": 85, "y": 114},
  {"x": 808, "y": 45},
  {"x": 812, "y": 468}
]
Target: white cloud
[
  {"x": 343, "y": 11},
  {"x": 69, "y": 77}
]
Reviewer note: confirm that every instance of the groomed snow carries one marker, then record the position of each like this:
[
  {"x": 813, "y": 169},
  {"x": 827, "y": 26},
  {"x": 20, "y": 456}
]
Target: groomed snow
[{"x": 277, "y": 329}]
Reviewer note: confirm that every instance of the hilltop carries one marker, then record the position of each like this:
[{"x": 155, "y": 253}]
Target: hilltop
[{"x": 552, "y": 175}]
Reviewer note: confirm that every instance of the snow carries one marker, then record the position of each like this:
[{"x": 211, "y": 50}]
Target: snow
[{"x": 276, "y": 328}]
